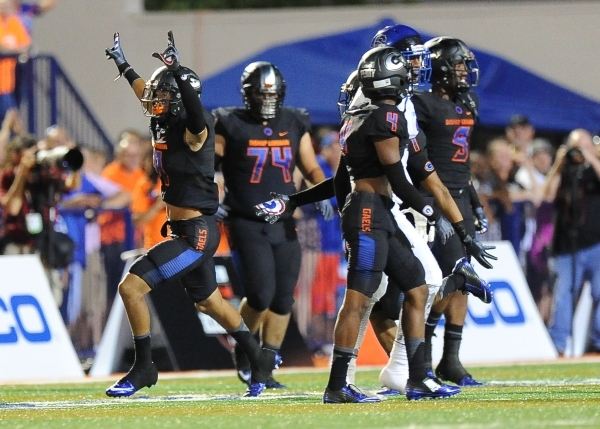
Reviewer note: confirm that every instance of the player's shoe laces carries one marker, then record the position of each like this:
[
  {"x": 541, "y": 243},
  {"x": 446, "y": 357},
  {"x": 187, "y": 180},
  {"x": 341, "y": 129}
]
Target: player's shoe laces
[
  {"x": 429, "y": 388},
  {"x": 262, "y": 371},
  {"x": 456, "y": 374},
  {"x": 134, "y": 380},
  {"x": 473, "y": 283},
  {"x": 349, "y": 394},
  {"x": 242, "y": 365}
]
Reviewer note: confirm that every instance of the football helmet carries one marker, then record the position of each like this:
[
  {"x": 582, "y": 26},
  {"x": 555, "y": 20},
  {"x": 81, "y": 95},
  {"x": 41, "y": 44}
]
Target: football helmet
[
  {"x": 453, "y": 64},
  {"x": 163, "y": 80},
  {"x": 410, "y": 44},
  {"x": 263, "y": 89},
  {"x": 384, "y": 72},
  {"x": 347, "y": 92}
]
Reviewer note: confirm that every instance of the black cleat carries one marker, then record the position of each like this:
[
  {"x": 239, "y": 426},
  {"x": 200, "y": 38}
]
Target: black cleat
[
  {"x": 242, "y": 364},
  {"x": 473, "y": 283},
  {"x": 271, "y": 383},
  {"x": 429, "y": 388},
  {"x": 135, "y": 380},
  {"x": 347, "y": 395},
  {"x": 456, "y": 374}
]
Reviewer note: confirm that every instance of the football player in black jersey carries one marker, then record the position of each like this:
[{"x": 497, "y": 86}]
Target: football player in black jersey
[
  {"x": 259, "y": 147},
  {"x": 373, "y": 139},
  {"x": 183, "y": 140},
  {"x": 446, "y": 115}
]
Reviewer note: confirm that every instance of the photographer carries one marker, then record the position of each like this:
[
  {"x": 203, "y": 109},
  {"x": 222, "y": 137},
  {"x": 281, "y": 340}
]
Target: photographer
[
  {"x": 574, "y": 186},
  {"x": 31, "y": 185}
]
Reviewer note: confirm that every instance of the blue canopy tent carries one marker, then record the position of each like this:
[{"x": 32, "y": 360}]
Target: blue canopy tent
[{"x": 315, "y": 69}]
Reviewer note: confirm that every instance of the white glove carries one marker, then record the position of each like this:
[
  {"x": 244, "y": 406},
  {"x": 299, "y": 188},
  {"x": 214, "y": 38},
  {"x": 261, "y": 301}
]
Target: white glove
[{"x": 421, "y": 225}]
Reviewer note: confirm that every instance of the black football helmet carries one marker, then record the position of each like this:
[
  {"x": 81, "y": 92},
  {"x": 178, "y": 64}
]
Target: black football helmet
[
  {"x": 259, "y": 80},
  {"x": 446, "y": 54},
  {"x": 384, "y": 72},
  {"x": 347, "y": 92},
  {"x": 410, "y": 44},
  {"x": 163, "y": 80}
]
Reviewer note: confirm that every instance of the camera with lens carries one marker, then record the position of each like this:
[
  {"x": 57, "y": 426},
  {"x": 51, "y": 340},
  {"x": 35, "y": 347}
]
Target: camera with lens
[
  {"x": 61, "y": 157},
  {"x": 574, "y": 156}
]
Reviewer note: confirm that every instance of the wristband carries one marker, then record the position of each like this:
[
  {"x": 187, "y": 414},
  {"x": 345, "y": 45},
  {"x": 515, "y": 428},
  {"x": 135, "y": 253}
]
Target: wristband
[{"x": 461, "y": 230}]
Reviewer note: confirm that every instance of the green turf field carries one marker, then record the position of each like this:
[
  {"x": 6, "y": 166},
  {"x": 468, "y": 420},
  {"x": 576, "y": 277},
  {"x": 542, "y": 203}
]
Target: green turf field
[{"x": 562, "y": 395}]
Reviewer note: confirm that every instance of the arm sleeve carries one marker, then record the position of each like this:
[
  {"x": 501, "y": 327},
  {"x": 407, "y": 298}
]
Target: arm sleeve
[
  {"x": 407, "y": 192},
  {"x": 321, "y": 191},
  {"x": 418, "y": 166},
  {"x": 341, "y": 183},
  {"x": 191, "y": 102}
]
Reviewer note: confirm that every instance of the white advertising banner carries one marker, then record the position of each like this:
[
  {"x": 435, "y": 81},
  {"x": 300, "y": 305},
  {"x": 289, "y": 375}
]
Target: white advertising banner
[
  {"x": 510, "y": 328},
  {"x": 34, "y": 343}
]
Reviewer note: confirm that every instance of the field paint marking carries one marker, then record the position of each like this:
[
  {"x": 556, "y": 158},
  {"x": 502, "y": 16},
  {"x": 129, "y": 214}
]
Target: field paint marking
[{"x": 542, "y": 383}]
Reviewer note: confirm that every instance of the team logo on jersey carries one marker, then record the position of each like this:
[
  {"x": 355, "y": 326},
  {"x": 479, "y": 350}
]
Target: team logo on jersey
[
  {"x": 429, "y": 166},
  {"x": 268, "y": 131},
  {"x": 459, "y": 110}
]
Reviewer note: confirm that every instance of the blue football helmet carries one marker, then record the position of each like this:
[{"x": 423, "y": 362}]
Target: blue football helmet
[{"x": 410, "y": 44}]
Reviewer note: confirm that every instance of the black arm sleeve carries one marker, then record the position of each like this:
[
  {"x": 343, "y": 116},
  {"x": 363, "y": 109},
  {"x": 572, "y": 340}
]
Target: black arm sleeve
[
  {"x": 191, "y": 102},
  {"x": 407, "y": 192},
  {"x": 474, "y": 197},
  {"x": 321, "y": 191},
  {"x": 341, "y": 183},
  {"x": 130, "y": 74}
]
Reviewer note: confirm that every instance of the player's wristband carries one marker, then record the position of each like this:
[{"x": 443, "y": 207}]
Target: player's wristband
[{"x": 461, "y": 230}]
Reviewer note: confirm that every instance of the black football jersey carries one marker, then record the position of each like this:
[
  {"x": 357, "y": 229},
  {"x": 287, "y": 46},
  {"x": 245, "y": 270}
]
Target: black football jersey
[
  {"x": 187, "y": 177},
  {"x": 359, "y": 130},
  {"x": 259, "y": 159},
  {"x": 447, "y": 126},
  {"x": 418, "y": 165}
]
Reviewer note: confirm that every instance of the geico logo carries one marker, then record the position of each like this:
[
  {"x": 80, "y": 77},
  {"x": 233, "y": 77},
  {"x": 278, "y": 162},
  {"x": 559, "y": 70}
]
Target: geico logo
[
  {"x": 505, "y": 307},
  {"x": 27, "y": 318}
]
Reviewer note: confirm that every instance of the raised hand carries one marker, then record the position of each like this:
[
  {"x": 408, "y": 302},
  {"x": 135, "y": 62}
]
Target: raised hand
[
  {"x": 116, "y": 53},
  {"x": 170, "y": 56},
  {"x": 273, "y": 209},
  {"x": 481, "y": 220},
  {"x": 479, "y": 251}
]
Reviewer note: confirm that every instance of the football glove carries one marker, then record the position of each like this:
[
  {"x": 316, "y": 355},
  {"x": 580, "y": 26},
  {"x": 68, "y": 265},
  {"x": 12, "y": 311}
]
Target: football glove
[
  {"x": 481, "y": 220},
  {"x": 326, "y": 209},
  {"x": 116, "y": 53},
  {"x": 170, "y": 56},
  {"x": 273, "y": 209},
  {"x": 222, "y": 212},
  {"x": 479, "y": 251},
  {"x": 443, "y": 228}
]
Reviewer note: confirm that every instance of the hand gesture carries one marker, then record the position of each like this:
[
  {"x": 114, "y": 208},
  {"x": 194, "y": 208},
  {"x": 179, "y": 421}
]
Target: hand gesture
[
  {"x": 170, "y": 56},
  {"x": 273, "y": 209},
  {"x": 116, "y": 53},
  {"x": 479, "y": 251},
  {"x": 326, "y": 209},
  {"x": 481, "y": 220}
]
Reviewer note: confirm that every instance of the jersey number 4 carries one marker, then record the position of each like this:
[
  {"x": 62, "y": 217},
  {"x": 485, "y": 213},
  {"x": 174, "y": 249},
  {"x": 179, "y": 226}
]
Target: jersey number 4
[
  {"x": 461, "y": 139},
  {"x": 280, "y": 157}
]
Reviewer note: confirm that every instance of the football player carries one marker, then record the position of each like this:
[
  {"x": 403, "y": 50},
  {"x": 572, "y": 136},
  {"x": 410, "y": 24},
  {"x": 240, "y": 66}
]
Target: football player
[
  {"x": 258, "y": 147},
  {"x": 446, "y": 115},
  {"x": 184, "y": 146}
]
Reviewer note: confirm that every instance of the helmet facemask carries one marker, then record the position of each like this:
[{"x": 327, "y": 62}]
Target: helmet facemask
[
  {"x": 420, "y": 59},
  {"x": 347, "y": 92},
  {"x": 263, "y": 89},
  {"x": 155, "y": 101},
  {"x": 463, "y": 74}
]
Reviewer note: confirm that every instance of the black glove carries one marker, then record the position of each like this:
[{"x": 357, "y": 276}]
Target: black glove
[
  {"x": 443, "y": 228},
  {"x": 326, "y": 209},
  {"x": 170, "y": 56},
  {"x": 116, "y": 53},
  {"x": 481, "y": 220},
  {"x": 478, "y": 251},
  {"x": 273, "y": 209}
]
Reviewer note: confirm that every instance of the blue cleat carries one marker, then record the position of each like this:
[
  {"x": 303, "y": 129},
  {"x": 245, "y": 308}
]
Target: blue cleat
[
  {"x": 348, "y": 394},
  {"x": 429, "y": 388},
  {"x": 389, "y": 392},
  {"x": 473, "y": 283},
  {"x": 469, "y": 381},
  {"x": 135, "y": 380},
  {"x": 254, "y": 390}
]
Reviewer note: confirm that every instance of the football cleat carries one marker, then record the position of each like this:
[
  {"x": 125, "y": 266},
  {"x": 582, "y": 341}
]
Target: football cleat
[
  {"x": 473, "y": 283},
  {"x": 349, "y": 394},
  {"x": 389, "y": 392},
  {"x": 271, "y": 383},
  {"x": 429, "y": 388},
  {"x": 242, "y": 365},
  {"x": 254, "y": 390},
  {"x": 457, "y": 376},
  {"x": 133, "y": 381}
]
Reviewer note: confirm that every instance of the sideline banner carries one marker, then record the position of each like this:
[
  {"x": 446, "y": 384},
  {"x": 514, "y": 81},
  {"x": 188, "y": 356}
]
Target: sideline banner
[
  {"x": 508, "y": 329},
  {"x": 34, "y": 343}
]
